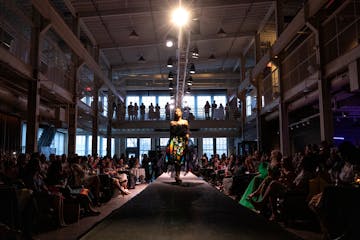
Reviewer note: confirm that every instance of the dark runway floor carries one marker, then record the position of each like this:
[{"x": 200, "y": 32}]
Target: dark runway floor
[{"x": 192, "y": 210}]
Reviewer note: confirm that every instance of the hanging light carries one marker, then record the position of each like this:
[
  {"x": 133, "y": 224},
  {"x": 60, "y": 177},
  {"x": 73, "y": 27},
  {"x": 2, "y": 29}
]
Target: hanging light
[
  {"x": 169, "y": 63},
  {"x": 192, "y": 68},
  {"x": 188, "y": 90},
  {"x": 171, "y": 76},
  {"x": 133, "y": 35},
  {"x": 212, "y": 57},
  {"x": 170, "y": 41},
  {"x": 195, "y": 53},
  {"x": 221, "y": 33},
  {"x": 189, "y": 81},
  {"x": 171, "y": 85},
  {"x": 141, "y": 59}
]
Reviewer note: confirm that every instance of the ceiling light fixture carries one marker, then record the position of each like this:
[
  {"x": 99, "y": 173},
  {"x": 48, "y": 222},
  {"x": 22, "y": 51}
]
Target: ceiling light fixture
[
  {"x": 171, "y": 76},
  {"x": 170, "y": 41},
  {"x": 171, "y": 85},
  {"x": 192, "y": 68},
  {"x": 212, "y": 57},
  {"x": 170, "y": 63},
  {"x": 188, "y": 90},
  {"x": 133, "y": 35},
  {"x": 195, "y": 53},
  {"x": 189, "y": 81},
  {"x": 141, "y": 59},
  {"x": 221, "y": 33}
]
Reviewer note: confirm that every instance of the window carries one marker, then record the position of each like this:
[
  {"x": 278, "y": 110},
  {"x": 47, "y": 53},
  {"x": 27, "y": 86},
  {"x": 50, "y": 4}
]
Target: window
[
  {"x": 58, "y": 143},
  {"x": 164, "y": 142},
  {"x": 220, "y": 100},
  {"x": 104, "y": 146},
  {"x": 208, "y": 146},
  {"x": 201, "y": 101},
  {"x": 147, "y": 100},
  {"x": 145, "y": 146},
  {"x": 221, "y": 146},
  {"x": 248, "y": 106},
  {"x": 105, "y": 106},
  {"x": 162, "y": 102},
  {"x": 131, "y": 142},
  {"x": 81, "y": 145}
]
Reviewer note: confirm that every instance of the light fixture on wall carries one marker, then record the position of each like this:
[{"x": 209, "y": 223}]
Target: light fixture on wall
[
  {"x": 133, "y": 35},
  {"x": 170, "y": 63}
]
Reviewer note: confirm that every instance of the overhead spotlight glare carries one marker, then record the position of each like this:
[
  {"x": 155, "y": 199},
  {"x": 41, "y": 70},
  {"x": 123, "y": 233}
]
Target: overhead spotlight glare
[
  {"x": 180, "y": 17},
  {"x": 192, "y": 68},
  {"x": 171, "y": 86},
  {"x": 170, "y": 63},
  {"x": 188, "y": 90}
]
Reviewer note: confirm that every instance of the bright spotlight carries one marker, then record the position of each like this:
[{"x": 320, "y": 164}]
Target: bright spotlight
[
  {"x": 169, "y": 43},
  {"x": 180, "y": 17}
]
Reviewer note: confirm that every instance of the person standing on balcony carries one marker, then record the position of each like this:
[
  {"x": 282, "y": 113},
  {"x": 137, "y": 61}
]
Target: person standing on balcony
[
  {"x": 136, "y": 111},
  {"x": 167, "y": 111},
  {"x": 207, "y": 110},
  {"x": 142, "y": 111},
  {"x": 157, "y": 111},
  {"x": 213, "y": 107},
  {"x": 130, "y": 111}
]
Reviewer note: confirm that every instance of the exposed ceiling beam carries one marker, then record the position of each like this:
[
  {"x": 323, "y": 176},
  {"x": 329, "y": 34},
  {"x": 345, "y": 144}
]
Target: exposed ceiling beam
[
  {"x": 197, "y": 38},
  {"x": 48, "y": 12},
  {"x": 164, "y": 8},
  {"x": 86, "y": 30}
]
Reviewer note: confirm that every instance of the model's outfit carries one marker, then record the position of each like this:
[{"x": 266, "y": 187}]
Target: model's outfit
[{"x": 177, "y": 147}]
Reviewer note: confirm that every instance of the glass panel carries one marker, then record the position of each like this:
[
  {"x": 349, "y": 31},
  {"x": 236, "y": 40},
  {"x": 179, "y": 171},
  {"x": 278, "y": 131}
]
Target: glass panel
[
  {"x": 80, "y": 145},
  {"x": 131, "y": 142},
  {"x": 145, "y": 146},
  {"x": 164, "y": 142},
  {"x": 208, "y": 146},
  {"x": 201, "y": 101},
  {"x": 162, "y": 102},
  {"x": 221, "y": 146},
  {"x": 248, "y": 105},
  {"x": 147, "y": 100},
  {"x": 188, "y": 106}
]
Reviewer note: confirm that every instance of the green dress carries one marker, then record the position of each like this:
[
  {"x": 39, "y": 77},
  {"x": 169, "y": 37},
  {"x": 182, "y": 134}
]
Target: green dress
[{"x": 253, "y": 185}]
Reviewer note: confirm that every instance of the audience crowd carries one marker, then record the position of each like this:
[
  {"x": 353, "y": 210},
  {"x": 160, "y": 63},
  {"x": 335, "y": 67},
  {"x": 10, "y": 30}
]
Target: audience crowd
[{"x": 43, "y": 192}]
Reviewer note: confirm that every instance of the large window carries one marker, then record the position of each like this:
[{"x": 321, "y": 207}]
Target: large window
[
  {"x": 81, "y": 145},
  {"x": 201, "y": 101},
  {"x": 221, "y": 146},
  {"x": 208, "y": 146},
  {"x": 220, "y": 100},
  {"x": 248, "y": 106},
  {"x": 162, "y": 102},
  {"x": 145, "y": 146},
  {"x": 164, "y": 142},
  {"x": 131, "y": 142},
  {"x": 58, "y": 143}
]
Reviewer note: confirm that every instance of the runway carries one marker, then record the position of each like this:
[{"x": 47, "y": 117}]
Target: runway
[{"x": 191, "y": 210}]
